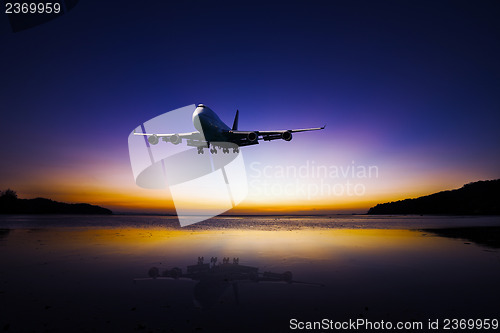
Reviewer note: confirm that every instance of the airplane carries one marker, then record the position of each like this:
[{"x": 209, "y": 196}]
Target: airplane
[{"x": 217, "y": 134}]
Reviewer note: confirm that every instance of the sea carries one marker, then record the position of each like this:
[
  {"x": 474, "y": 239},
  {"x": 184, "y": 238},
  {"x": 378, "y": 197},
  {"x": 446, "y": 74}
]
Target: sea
[{"x": 358, "y": 273}]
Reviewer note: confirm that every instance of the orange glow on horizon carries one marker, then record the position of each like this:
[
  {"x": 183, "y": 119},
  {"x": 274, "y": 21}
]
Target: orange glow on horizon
[
  {"x": 159, "y": 201},
  {"x": 113, "y": 187}
]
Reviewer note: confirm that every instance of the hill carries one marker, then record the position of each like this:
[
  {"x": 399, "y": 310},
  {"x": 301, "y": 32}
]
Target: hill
[
  {"x": 10, "y": 204},
  {"x": 478, "y": 198}
]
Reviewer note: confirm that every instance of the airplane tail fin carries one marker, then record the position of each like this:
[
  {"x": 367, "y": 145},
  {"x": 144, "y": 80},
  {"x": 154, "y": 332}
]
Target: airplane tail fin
[{"x": 235, "y": 123}]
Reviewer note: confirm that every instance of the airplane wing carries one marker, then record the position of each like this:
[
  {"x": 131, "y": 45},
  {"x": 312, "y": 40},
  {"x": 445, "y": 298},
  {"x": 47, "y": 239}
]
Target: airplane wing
[
  {"x": 241, "y": 138},
  {"x": 244, "y": 138},
  {"x": 193, "y": 138}
]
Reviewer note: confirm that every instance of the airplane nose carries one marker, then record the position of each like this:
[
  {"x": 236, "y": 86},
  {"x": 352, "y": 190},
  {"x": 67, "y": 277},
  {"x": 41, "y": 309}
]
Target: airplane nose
[
  {"x": 203, "y": 111},
  {"x": 199, "y": 110},
  {"x": 196, "y": 116}
]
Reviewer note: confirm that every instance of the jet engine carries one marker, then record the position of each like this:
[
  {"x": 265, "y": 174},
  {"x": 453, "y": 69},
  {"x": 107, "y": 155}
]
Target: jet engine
[
  {"x": 287, "y": 136},
  {"x": 175, "y": 139},
  {"x": 153, "y": 139},
  {"x": 252, "y": 136}
]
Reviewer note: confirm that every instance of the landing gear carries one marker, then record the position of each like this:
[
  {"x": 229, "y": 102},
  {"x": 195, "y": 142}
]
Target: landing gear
[{"x": 215, "y": 149}]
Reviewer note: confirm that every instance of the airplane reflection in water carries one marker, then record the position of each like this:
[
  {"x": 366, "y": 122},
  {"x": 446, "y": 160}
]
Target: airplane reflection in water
[
  {"x": 212, "y": 131},
  {"x": 214, "y": 279}
]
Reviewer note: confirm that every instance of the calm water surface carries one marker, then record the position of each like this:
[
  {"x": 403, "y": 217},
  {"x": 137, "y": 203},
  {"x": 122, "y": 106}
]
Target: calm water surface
[{"x": 61, "y": 274}]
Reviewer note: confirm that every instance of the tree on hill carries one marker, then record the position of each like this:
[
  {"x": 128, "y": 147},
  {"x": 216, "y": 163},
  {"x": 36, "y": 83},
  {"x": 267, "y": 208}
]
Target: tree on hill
[
  {"x": 11, "y": 204},
  {"x": 8, "y": 194},
  {"x": 477, "y": 198}
]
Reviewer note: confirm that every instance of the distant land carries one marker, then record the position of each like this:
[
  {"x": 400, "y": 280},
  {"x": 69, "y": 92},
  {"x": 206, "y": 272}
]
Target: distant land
[
  {"x": 11, "y": 204},
  {"x": 478, "y": 198}
]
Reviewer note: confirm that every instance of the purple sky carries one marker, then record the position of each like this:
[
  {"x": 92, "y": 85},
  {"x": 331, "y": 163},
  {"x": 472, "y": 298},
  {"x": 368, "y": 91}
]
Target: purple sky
[{"x": 411, "y": 87}]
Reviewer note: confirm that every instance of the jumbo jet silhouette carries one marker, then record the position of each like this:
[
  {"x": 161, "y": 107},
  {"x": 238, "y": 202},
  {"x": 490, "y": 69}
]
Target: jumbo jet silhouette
[{"x": 215, "y": 133}]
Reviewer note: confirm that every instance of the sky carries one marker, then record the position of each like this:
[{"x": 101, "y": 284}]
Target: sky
[{"x": 409, "y": 92}]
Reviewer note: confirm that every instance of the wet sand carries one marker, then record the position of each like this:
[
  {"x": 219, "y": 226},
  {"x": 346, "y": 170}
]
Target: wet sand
[
  {"x": 485, "y": 236},
  {"x": 62, "y": 279}
]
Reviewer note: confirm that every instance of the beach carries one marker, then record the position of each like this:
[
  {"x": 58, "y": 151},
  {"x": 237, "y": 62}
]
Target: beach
[{"x": 93, "y": 274}]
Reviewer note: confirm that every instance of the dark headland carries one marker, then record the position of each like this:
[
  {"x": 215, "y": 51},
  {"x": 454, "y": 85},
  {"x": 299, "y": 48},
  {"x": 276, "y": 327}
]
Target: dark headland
[
  {"x": 11, "y": 204},
  {"x": 478, "y": 198}
]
